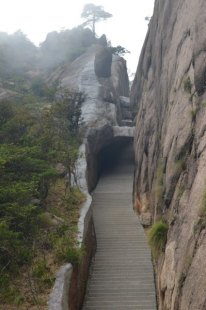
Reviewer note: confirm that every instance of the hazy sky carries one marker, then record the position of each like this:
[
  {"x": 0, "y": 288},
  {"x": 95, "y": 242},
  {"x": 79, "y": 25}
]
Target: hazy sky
[{"x": 36, "y": 18}]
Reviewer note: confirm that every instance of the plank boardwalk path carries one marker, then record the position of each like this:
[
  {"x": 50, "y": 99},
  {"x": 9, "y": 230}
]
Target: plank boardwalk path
[{"x": 122, "y": 273}]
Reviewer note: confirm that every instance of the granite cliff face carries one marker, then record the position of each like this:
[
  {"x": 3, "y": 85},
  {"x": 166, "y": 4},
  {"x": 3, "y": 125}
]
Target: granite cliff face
[
  {"x": 103, "y": 78},
  {"x": 169, "y": 97}
]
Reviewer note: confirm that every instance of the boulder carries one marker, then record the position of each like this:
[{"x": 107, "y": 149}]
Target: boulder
[{"x": 103, "y": 62}]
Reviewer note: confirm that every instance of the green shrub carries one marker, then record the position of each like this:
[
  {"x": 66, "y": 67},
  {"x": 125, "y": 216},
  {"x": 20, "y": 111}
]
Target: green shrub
[
  {"x": 8, "y": 292},
  {"x": 74, "y": 255},
  {"x": 119, "y": 50},
  {"x": 158, "y": 237},
  {"x": 75, "y": 197},
  {"x": 45, "y": 220},
  {"x": 39, "y": 268},
  {"x": 67, "y": 250},
  {"x": 42, "y": 273}
]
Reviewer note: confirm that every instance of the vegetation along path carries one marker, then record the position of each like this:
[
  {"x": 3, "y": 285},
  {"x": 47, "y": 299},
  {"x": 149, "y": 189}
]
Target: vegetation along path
[{"x": 122, "y": 273}]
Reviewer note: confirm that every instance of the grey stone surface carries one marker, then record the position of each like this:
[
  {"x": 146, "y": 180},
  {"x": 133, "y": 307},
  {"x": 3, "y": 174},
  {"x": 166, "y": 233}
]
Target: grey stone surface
[
  {"x": 103, "y": 62},
  {"x": 59, "y": 296},
  {"x": 95, "y": 111},
  {"x": 102, "y": 104},
  {"x": 169, "y": 97},
  {"x": 126, "y": 108},
  {"x": 146, "y": 219},
  {"x": 125, "y": 101},
  {"x": 119, "y": 76},
  {"x": 102, "y": 93},
  {"x": 123, "y": 131}
]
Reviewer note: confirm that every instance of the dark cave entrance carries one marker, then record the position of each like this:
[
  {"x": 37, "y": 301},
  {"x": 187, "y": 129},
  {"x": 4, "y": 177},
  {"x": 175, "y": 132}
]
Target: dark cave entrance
[{"x": 118, "y": 152}]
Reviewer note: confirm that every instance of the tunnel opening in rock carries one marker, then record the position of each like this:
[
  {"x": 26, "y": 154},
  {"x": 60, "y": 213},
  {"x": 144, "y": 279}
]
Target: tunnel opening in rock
[{"x": 119, "y": 151}]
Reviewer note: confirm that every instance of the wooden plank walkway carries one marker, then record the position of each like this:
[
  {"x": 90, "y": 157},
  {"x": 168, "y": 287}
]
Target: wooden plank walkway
[{"x": 122, "y": 273}]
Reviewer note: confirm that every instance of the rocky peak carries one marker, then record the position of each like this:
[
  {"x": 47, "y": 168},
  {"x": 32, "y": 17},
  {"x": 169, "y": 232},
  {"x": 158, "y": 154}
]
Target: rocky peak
[{"x": 103, "y": 78}]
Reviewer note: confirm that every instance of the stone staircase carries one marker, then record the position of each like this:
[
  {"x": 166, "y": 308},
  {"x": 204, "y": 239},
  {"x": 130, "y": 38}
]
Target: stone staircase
[
  {"x": 122, "y": 273},
  {"x": 126, "y": 111}
]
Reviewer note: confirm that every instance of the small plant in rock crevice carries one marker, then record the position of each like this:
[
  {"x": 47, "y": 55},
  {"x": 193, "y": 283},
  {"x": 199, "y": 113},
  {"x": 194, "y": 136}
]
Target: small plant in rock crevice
[
  {"x": 203, "y": 205},
  {"x": 200, "y": 224},
  {"x": 188, "y": 85},
  {"x": 179, "y": 166},
  {"x": 158, "y": 237},
  {"x": 194, "y": 114}
]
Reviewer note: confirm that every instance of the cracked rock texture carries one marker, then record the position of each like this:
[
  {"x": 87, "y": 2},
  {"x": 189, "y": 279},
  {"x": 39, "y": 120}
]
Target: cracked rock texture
[
  {"x": 169, "y": 97},
  {"x": 103, "y": 78}
]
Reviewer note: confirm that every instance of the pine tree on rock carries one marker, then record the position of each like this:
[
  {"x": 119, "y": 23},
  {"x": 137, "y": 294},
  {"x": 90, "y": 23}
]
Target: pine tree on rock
[{"x": 92, "y": 14}]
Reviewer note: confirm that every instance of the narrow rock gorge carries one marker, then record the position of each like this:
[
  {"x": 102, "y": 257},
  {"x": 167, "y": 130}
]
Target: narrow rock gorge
[
  {"x": 169, "y": 98},
  {"x": 84, "y": 220},
  {"x": 107, "y": 126}
]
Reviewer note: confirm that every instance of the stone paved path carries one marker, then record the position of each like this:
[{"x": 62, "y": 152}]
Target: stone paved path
[{"x": 122, "y": 273}]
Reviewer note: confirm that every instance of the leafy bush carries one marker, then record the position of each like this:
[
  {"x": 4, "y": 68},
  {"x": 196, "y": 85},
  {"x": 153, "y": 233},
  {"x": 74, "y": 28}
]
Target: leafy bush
[
  {"x": 75, "y": 197},
  {"x": 158, "y": 237},
  {"x": 119, "y": 50},
  {"x": 74, "y": 255},
  {"x": 68, "y": 251},
  {"x": 42, "y": 273},
  {"x": 8, "y": 292},
  {"x": 45, "y": 220},
  {"x": 42, "y": 90}
]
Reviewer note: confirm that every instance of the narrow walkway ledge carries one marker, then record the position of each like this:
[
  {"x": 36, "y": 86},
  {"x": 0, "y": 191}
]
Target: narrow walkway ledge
[
  {"x": 122, "y": 273},
  {"x": 59, "y": 297}
]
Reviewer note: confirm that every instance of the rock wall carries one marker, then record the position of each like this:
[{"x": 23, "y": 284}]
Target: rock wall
[
  {"x": 104, "y": 80},
  {"x": 169, "y": 97}
]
